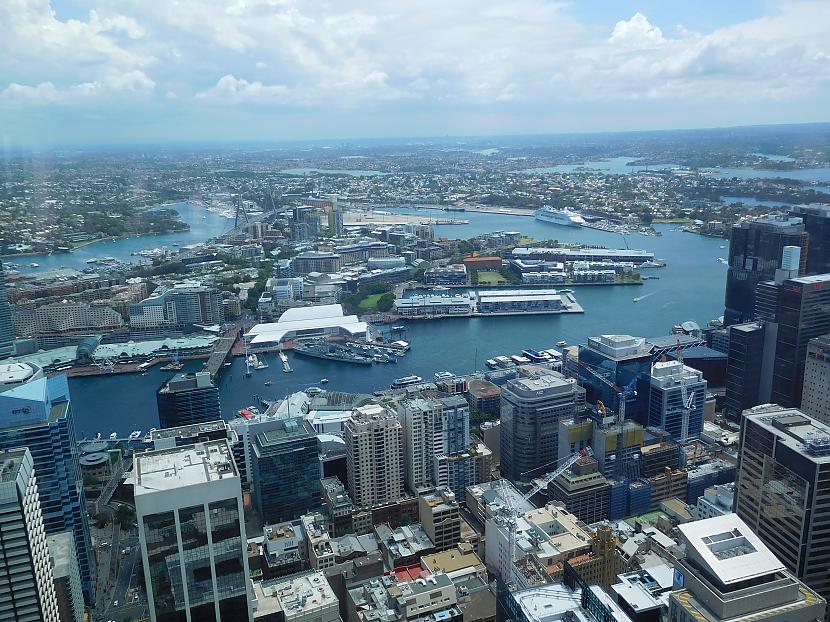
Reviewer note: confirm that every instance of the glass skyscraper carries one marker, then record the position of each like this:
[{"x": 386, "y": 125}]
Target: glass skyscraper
[
  {"x": 285, "y": 470},
  {"x": 38, "y": 415},
  {"x": 188, "y": 399}
]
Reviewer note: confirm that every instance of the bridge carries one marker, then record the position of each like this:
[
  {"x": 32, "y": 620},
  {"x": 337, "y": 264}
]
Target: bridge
[{"x": 220, "y": 353}]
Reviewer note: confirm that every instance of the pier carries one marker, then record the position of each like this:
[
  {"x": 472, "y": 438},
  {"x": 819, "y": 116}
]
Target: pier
[{"x": 221, "y": 352}]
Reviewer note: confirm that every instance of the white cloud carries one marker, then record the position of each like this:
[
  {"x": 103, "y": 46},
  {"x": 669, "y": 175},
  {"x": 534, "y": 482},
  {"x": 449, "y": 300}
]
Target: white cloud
[
  {"x": 131, "y": 84},
  {"x": 637, "y": 33}
]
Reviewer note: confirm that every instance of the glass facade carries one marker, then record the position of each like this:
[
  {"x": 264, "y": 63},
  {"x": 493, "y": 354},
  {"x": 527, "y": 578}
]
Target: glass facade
[
  {"x": 285, "y": 471},
  {"x": 198, "y": 405},
  {"x": 617, "y": 372},
  {"x": 201, "y": 571},
  {"x": 46, "y": 427},
  {"x": 743, "y": 367}
]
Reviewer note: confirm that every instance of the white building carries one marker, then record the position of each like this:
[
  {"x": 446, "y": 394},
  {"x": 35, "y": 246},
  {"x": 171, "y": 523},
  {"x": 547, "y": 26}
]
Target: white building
[
  {"x": 192, "y": 532},
  {"x": 815, "y": 398},
  {"x": 303, "y": 597},
  {"x": 306, "y": 322},
  {"x": 67, "y": 576},
  {"x": 374, "y": 456},
  {"x": 666, "y": 410},
  {"x": 716, "y": 501},
  {"x": 27, "y": 592},
  {"x": 14, "y": 374}
]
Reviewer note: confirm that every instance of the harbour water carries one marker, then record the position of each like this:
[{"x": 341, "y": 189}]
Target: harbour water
[
  {"x": 203, "y": 225},
  {"x": 690, "y": 287}
]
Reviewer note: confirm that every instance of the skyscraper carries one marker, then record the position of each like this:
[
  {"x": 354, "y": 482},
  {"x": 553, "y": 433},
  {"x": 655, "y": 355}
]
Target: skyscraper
[
  {"x": 782, "y": 491},
  {"x": 666, "y": 409},
  {"x": 748, "y": 367},
  {"x": 374, "y": 456},
  {"x": 6, "y": 328},
  {"x": 531, "y": 409},
  {"x": 27, "y": 593},
  {"x": 755, "y": 251},
  {"x": 285, "y": 470},
  {"x": 192, "y": 533},
  {"x": 803, "y": 313},
  {"x": 38, "y": 415},
  {"x": 815, "y": 399},
  {"x": 817, "y": 224},
  {"x": 67, "y": 576},
  {"x": 187, "y": 399}
]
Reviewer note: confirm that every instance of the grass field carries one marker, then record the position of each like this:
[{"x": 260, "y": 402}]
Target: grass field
[
  {"x": 490, "y": 278},
  {"x": 370, "y": 302}
]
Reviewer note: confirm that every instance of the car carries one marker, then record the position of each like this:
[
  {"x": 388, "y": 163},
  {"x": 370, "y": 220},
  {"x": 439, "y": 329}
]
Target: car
[{"x": 115, "y": 603}]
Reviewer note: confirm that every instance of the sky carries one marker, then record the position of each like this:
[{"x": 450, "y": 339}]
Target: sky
[{"x": 133, "y": 71}]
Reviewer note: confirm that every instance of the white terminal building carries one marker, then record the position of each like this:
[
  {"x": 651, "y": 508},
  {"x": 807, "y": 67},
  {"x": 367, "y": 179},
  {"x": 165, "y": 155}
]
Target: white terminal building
[
  {"x": 14, "y": 374},
  {"x": 192, "y": 533},
  {"x": 306, "y": 322}
]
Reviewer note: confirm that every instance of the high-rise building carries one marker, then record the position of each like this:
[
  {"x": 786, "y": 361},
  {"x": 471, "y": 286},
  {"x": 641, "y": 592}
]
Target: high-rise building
[
  {"x": 803, "y": 313},
  {"x": 815, "y": 399},
  {"x": 746, "y": 383},
  {"x": 192, "y": 533},
  {"x": 67, "y": 577},
  {"x": 374, "y": 456},
  {"x": 531, "y": 409},
  {"x": 180, "y": 307},
  {"x": 187, "y": 399},
  {"x": 607, "y": 361},
  {"x": 670, "y": 381},
  {"x": 6, "y": 327},
  {"x": 335, "y": 218},
  {"x": 38, "y": 415},
  {"x": 755, "y": 251},
  {"x": 816, "y": 220},
  {"x": 285, "y": 470},
  {"x": 782, "y": 492},
  {"x": 27, "y": 593},
  {"x": 729, "y": 574},
  {"x": 436, "y": 436}
]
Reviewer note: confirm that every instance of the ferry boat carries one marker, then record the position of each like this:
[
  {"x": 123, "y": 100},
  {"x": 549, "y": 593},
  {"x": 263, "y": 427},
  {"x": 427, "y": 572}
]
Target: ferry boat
[
  {"x": 562, "y": 343},
  {"x": 444, "y": 375},
  {"x": 562, "y": 217},
  {"x": 406, "y": 381},
  {"x": 324, "y": 380}
]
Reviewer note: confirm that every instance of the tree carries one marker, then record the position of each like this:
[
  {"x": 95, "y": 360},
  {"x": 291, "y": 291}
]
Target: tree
[
  {"x": 386, "y": 302},
  {"x": 125, "y": 514},
  {"x": 101, "y": 520}
]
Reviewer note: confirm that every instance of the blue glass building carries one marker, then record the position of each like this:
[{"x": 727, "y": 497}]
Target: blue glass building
[
  {"x": 188, "y": 399},
  {"x": 38, "y": 415},
  {"x": 285, "y": 470}
]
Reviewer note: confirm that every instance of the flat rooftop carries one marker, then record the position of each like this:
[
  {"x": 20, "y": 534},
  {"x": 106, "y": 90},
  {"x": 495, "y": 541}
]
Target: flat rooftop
[
  {"x": 10, "y": 462},
  {"x": 166, "y": 469},
  {"x": 803, "y": 434},
  {"x": 728, "y": 549}
]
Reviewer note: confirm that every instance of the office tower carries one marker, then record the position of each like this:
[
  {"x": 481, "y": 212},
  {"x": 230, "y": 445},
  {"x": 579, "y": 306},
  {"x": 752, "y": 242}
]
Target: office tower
[
  {"x": 531, "y": 409},
  {"x": 38, "y": 415},
  {"x": 6, "y": 329},
  {"x": 670, "y": 381},
  {"x": 439, "y": 516},
  {"x": 335, "y": 218},
  {"x": 285, "y": 470},
  {"x": 374, "y": 456},
  {"x": 67, "y": 577},
  {"x": 436, "y": 435},
  {"x": 815, "y": 400},
  {"x": 782, "y": 492},
  {"x": 191, "y": 528},
  {"x": 610, "y": 361},
  {"x": 791, "y": 259},
  {"x": 26, "y": 590},
  {"x": 729, "y": 574},
  {"x": 816, "y": 220},
  {"x": 803, "y": 313},
  {"x": 187, "y": 399},
  {"x": 755, "y": 250},
  {"x": 745, "y": 382}
]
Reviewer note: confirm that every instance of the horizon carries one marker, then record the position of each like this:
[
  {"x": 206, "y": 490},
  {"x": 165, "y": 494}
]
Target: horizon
[{"x": 115, "y": 72}]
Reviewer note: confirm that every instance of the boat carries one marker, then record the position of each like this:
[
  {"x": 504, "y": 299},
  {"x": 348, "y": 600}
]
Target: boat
[
  {"x": 34, "y": 265},
  {"x": 333, "y": 352},
  {"x": 440, "y": 288},
  {"x": 563, "y": 217},
  {"x": 324, "y": 380},
  {"x": 491, "y": 363},
  {"x": 268, "y": 383},
  {"x": 312, "y": 391},
  {"x": 444, "y": 375},
  {"x": 723, "y": 261},
  {"x": 135, "y": 434},
  {"x": 171, "y": 366},
  {"x": 722, "y": 246},
  {"x": 562, "y": 343},
  {"x": 406, "y": 381},
  {"x": 114, "y": 436}
]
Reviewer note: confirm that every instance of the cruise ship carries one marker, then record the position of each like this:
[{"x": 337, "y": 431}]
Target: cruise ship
[{"x": 563, "y": 217}]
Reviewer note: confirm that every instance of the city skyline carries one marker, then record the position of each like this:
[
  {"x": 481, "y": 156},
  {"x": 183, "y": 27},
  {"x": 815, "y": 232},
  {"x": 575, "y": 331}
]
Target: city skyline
[{"x": 115, "y": 72}]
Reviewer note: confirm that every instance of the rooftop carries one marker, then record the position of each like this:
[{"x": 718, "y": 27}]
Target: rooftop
[
  {"x": 186, "y": 431},
  {"x": 805, "y": 435},
  {"x": 187, "y": 382},
  {"x": 296, "y": 595},
  {"x": 11, "y": 373},
  {"x": 728, "y": 549},
  {"x": 62, "y": 552},
  {"x": 167, "y": 469},
  {"x": 10, "y": 462}
]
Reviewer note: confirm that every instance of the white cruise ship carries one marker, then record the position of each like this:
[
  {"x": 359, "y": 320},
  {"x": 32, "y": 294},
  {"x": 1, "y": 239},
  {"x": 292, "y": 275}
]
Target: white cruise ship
[{"x": 560, "y": 217}]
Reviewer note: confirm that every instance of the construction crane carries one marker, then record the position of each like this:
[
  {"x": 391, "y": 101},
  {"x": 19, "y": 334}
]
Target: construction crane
[
  {"x": 568, "y": 462},
  {"x": 687, "y": 401}
]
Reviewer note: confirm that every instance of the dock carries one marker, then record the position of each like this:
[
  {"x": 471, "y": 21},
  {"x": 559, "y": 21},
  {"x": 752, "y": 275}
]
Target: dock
[{"x": 221, "y": 352}]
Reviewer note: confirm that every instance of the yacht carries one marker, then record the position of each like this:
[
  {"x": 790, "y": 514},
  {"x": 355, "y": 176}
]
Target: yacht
[
  {"x": 406, "y": 381},
  {"x": 563, "y": 217}
]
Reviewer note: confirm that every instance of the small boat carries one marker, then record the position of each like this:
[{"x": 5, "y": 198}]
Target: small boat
[
  {"x": 34, "y": 265},
  {"x": 267, "y": 383},
  {"x": 722, "y": 246},
  {"x": 313, "y": 391},
  {"x": 562, "y": 343},
  {"x": 324, "y": 380},
  {"x": 135, "y": 434},
  {"x": 113, "y": 436}
]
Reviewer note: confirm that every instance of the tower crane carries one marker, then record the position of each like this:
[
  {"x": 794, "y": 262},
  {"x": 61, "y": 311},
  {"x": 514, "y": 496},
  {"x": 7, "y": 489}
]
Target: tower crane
[{"x": 567, "y": 463}]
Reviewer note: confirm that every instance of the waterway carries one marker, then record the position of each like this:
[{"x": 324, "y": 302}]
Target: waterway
[
  {"x": 691, "y": 287},
  {"x": 203, "y": 225}
]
